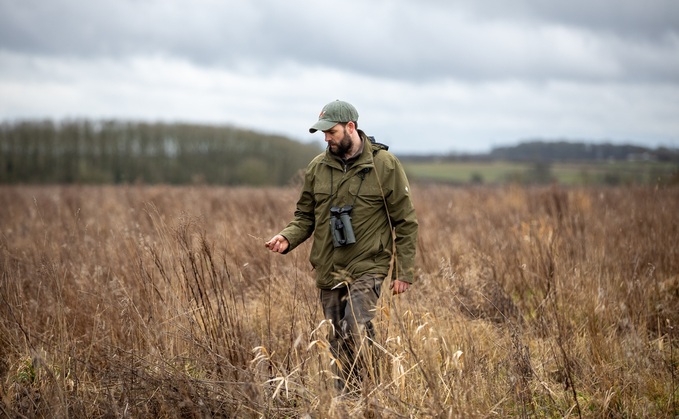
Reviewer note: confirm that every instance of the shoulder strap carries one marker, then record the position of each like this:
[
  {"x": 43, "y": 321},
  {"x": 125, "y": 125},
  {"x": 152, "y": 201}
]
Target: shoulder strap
[
  {"x": 382, "y": 146},
  {"x": 392, "y": 262}
]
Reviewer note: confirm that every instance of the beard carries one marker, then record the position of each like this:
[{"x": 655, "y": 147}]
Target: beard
[{"x": 343, "y": 147}]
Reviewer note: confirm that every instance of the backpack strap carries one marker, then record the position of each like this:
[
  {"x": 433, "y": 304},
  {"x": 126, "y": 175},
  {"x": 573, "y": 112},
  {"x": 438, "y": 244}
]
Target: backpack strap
[
  {"x": 393, "y": 269},
  {"x": 382, "y": 146}
]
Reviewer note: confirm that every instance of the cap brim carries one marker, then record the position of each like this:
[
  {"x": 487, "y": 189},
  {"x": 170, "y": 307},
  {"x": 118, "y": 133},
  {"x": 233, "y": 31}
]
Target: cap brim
[{"x": 322, "y": 125}]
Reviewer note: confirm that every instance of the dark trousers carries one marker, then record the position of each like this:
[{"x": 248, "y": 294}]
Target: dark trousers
[{"x": 351, "y": 309}]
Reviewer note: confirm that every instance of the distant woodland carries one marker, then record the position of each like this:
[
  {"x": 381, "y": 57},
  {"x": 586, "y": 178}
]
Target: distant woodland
[
  {"x": 562, "y": 151},
  {"x": 118, "y": 152},
  {"x": 536, "y": 151},
  {"x": 82, "y": 151}
]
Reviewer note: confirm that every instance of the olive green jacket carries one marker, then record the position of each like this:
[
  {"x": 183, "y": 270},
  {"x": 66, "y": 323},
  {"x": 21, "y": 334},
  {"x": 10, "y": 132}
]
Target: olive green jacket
[{"x": 328, "y": 183}]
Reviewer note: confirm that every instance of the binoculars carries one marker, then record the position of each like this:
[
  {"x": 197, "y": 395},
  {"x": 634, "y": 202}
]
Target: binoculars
[{"x": 340, "y": 226}]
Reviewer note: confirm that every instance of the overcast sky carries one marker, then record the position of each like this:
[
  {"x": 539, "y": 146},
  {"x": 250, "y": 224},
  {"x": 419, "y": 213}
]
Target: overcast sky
[{"x": 425, "y": 76}]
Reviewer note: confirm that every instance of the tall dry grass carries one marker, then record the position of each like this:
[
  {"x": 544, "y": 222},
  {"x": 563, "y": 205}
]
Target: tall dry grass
[{"x": 162, "y": 302}]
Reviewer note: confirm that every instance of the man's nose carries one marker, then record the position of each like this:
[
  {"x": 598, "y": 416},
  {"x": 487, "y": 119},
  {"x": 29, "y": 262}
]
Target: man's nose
[{"x": 327, "y": 137}]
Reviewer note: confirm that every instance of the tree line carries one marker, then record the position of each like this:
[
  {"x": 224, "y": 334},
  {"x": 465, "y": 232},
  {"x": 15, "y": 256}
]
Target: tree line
[
  {"x": 560, "y": 151},
  {"x": 86, "y": 151},
  {"x": 540, "y": 151}
]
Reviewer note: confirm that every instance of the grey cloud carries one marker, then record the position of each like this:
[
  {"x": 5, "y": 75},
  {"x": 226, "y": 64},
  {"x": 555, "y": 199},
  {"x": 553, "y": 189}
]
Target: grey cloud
[
  {"x": 431, "y": 39},
  {"x": 650, "y": 20},
  {"x": 112, "y": 28},
  {"x": 441, "y": 40}
]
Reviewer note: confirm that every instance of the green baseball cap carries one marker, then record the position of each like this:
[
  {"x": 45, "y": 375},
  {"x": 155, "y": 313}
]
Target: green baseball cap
[{"x": 333, "y": 113}]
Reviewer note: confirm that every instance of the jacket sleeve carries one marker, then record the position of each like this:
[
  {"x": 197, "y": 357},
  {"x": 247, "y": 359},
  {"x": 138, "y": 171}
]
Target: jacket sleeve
[
  {"x": 302, "y": 226},
  {"x": 404, "y": 221}
]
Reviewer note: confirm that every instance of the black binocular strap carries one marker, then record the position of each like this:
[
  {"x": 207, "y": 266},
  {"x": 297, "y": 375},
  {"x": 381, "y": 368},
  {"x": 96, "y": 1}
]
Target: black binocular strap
[{"x": 362, "y": 174}]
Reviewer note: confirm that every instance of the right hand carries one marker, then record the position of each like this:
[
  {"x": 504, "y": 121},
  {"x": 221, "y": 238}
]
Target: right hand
[{"x": 278, "y": 244}]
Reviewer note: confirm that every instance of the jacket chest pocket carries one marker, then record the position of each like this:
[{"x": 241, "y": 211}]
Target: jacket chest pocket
[
  {"x": 322, "y": 191},
  {"x": 365, "y": 189}
]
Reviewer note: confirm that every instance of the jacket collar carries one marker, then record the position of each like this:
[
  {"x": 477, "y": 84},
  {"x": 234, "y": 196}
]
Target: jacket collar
[{"x": 364, "y": 158}]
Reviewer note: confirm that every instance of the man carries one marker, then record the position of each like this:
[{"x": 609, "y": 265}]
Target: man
[{"x": 356, "y": 203}]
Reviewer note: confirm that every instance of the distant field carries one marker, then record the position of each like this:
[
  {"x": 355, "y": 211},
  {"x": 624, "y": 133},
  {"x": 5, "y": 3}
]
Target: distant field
[{"x": 501, "y": 172}]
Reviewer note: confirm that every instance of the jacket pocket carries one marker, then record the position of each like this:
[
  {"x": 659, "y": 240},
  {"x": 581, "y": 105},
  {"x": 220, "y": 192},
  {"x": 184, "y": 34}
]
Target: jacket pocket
[
  {"x": 367, "y": 187},
  {"x": 322, "y": 188}
]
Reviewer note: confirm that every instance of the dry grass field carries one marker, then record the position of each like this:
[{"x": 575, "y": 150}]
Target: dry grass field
[{"x": 157, "y": 301}]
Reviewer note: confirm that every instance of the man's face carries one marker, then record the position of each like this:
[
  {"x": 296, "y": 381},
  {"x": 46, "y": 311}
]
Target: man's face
[{"x": 338, "y": 140}]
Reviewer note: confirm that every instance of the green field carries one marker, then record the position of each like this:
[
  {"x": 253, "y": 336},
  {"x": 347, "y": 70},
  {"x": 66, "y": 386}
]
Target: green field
[{"x": 502, "y": 172}]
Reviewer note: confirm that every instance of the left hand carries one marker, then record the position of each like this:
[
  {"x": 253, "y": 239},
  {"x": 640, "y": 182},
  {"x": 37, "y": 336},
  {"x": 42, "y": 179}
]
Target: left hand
[{"x": 399, "y": 287}]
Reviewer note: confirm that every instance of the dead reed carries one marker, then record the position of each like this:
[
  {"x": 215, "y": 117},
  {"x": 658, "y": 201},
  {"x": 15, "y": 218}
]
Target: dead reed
[{"x": 161, "y": 301}]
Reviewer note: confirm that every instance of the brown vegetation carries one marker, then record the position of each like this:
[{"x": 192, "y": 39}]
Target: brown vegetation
[{"x": 162, "y": 302}]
